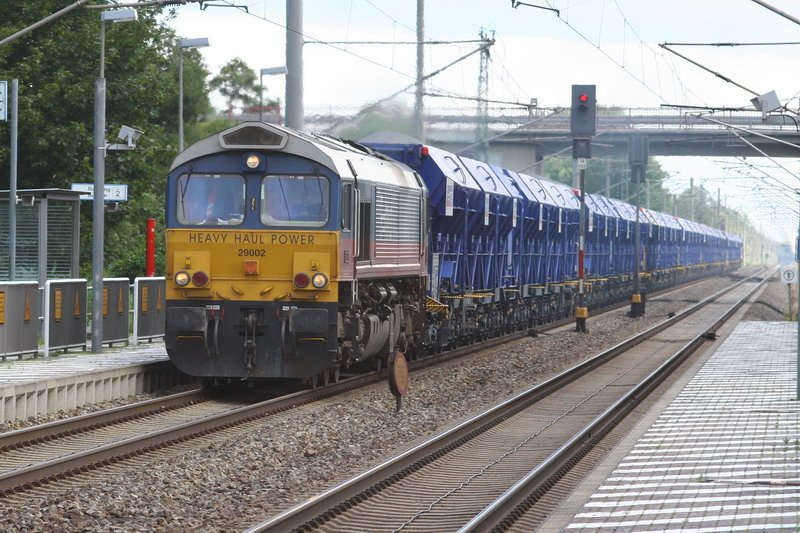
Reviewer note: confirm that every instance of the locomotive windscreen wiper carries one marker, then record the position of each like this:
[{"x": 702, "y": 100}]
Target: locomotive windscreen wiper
[{"x": 183, "y": 192}]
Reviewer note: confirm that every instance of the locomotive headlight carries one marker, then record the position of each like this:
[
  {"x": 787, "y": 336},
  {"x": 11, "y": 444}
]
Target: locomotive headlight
[
  {"x": 319, "y": 280},
  {"x": 253, "y": 161},
  {"x": 182, "y": 278}
]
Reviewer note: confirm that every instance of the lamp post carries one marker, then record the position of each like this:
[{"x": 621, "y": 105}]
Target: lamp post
[
  {"x": 271, "y": 71},
  {"x": 98, "y": 204},
  {"x": 184, "y": 43}
]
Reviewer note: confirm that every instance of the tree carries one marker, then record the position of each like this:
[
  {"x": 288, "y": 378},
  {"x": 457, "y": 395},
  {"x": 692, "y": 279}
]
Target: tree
[
  {"x": 387, "y": 116},
  {"x": 57, "y": 65},
  {"x": 237, "y": 83}
]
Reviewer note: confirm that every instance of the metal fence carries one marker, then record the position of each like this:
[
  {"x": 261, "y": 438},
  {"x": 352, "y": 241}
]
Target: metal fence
[
  {"x": 41, "y": 320},
  {"x": 19, "y": 318},
  {"x": 149, "y": 308}
]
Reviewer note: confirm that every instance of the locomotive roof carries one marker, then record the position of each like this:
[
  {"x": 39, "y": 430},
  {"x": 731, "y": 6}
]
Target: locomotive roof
[{"x": 335, "y": 154}]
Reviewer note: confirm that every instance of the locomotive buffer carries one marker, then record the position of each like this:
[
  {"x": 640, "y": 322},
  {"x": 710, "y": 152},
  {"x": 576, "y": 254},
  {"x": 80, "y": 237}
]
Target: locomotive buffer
[{"x": 582, "y": 126}]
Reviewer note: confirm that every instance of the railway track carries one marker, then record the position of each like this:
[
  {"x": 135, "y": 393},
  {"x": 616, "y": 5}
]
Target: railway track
[
  {"x": 41, "y": 454},
  {"x": 491, "y": 470}
]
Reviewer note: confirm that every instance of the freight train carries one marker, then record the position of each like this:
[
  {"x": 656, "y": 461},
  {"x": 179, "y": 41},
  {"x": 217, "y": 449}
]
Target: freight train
[{"x": 294, "y": 255}]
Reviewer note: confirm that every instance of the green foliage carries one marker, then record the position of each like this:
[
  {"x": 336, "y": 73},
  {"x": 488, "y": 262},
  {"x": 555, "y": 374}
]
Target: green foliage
[
  {"x": 206, "y": 128},
  {"x": 377, "y": 118},
  {"x": 237, "y": 83},
  {"x": 57, "y": 65}
]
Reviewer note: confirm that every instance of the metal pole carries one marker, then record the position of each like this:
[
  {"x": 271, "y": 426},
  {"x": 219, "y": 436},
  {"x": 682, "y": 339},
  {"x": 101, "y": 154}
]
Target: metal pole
[
  {"x": 636, "y": 299},
  {"x": 419, "y": 110},
  {"x": 180, "y": 99},
  {"x": 294, "y": 64},
  {"x": 576, "y": 178},
  {"x": 150, "y": 263},
  {"x": 54, "y": 16},
  {"x": 581, "y": 312},
  {"x": 12, "y": 189},
  {"x": 691, "y": 199},
  {"x": 797, "y": 256},
  {"x": 98, "y": 208},
  {"x": 778, "y": 11},
  {"x": 261, "y": 97}
]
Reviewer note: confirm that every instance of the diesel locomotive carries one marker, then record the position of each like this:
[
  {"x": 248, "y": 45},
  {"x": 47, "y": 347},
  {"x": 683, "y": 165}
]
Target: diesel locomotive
[{"x": 293, "y": 255}]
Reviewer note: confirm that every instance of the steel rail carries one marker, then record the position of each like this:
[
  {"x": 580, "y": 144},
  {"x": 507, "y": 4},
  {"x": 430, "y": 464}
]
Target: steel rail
[
  {"x": 108, "y": 417},
  {"x": 18, "y": 438},
  {"x": 65, "y": 466},
  {"x": 327, "y": 504},
  {"x": 503, "y": 511}
]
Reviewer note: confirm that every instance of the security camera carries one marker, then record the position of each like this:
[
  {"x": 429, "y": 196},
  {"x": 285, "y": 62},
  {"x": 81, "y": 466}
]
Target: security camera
[{"x": 129, "y": 135}]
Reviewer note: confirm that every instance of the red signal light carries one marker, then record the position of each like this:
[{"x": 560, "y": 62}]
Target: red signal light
[{"x": 584, "y": 98}]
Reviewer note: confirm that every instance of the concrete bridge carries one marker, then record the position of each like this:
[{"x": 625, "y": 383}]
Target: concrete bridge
[{"x": 519, "y": 139}]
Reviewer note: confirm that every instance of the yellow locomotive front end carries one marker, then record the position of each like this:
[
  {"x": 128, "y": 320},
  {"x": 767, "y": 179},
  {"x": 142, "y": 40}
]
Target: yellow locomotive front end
[
  {"x": 268, "y": 296},
  {"x": 253, "y": 257}
]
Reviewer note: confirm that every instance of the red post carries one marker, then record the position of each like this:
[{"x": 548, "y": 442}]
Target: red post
[{"x": 150, "y": 269}]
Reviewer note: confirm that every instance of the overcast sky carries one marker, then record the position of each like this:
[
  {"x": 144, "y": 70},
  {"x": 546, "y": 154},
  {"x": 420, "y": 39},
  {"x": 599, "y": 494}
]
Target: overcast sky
[{"x": 610, "y": 43}]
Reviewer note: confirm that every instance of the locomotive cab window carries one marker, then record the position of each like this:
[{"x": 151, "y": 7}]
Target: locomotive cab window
[
  {"x": 211, "y": 199},
  {"x": 295, "y": 200},
  {"x": 347, "y": 207}
]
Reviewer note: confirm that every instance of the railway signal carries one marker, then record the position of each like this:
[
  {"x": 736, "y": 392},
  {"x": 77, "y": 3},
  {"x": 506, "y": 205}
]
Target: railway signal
[
  {"x": 583, "y": 126},
  {"x": 637, "y": 156}
]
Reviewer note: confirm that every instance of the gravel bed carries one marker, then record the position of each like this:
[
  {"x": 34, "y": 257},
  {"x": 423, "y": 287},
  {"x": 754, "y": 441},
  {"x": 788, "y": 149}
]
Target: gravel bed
[
  {"x": 20, "y": 423},
  {"x": 228, "y": 483},
  {"x": 773, "y": 302}
]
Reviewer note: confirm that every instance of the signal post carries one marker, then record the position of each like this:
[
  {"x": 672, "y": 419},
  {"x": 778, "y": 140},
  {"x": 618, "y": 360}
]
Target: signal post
[
  {"x": 583, "y": 120},
  {"x": 638, "y": 160}
]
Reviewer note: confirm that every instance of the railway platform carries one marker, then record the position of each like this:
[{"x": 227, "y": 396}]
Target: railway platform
[
  {"x": 33, "y": 387},
  {"x": 719, "y": 452}
]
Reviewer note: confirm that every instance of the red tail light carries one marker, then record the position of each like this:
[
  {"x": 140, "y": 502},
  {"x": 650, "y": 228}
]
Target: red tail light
[
  {"x": 200, "y": 278},
  {"x": 301, "y": 280}
]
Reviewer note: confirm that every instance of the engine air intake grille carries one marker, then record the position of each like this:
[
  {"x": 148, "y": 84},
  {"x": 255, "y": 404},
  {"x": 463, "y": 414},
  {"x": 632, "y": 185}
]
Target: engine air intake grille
[{"x": 252, "y": 137}]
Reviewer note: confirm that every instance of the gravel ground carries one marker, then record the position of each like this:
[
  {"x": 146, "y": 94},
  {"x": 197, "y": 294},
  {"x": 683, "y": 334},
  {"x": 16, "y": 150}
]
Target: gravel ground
[
  {"x": 773, "y": 302},
  {"x": 10, "y": 425},
  {"x": 226, "y": 483}
]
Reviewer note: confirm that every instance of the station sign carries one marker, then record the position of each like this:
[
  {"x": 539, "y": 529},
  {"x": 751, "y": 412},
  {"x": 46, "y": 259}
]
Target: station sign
[
  {"x": 112, "y": 192},
  {"x": 3, "y": 100},
  {"x": 789, "y": 273}
]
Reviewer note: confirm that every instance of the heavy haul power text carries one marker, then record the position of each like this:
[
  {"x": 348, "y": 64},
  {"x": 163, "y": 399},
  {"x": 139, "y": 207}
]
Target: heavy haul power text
[{"x": 250, "y": 238}]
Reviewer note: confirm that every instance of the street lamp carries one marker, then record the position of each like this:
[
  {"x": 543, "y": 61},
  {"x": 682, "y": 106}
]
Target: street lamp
[
  {"x": 184, "y": 43},
  {"x": 272, "y": 71},
  {"x": 98, "y": 204}
]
